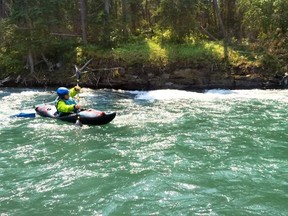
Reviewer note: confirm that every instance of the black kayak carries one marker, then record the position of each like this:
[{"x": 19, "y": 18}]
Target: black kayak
[{"x": 88, "y": 116}]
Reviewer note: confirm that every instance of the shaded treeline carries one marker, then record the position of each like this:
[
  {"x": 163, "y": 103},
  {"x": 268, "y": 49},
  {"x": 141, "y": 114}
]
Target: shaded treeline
[{"x": 42, "y": 35}]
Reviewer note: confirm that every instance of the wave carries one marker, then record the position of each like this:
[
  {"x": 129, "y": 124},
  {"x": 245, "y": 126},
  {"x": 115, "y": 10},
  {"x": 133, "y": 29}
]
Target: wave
[{"x": 169, "y": 94}]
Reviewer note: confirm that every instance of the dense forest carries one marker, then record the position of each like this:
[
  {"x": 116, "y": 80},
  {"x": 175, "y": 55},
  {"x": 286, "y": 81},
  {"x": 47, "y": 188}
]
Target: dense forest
[{"x": 196, "y": 41}]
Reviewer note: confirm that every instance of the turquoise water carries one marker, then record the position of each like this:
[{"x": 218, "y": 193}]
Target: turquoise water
[{"x": 167, "y": 152}]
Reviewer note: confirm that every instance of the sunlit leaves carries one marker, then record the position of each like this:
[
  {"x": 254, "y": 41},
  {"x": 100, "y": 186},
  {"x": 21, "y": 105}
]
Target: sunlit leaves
[{"x": 264, "y": 16}]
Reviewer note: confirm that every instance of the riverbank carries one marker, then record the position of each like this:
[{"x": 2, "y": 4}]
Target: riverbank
[
  {"x": 151, "y": 65},
  {"x": 193, "y": 77}
]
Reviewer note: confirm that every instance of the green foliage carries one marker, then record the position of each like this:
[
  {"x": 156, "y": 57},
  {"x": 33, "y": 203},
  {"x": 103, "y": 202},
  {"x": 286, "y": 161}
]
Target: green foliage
[
  {"x": 154, "y": 32},
  {"x": 28, "y": 30},
  {"x": 271, "y": 62},
  {"x": 264, "y": 17},
  {"x": 9, "y": 58},
  {"x": 178, "y": 17}
]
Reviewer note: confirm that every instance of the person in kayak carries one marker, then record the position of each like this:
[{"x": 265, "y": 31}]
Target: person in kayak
[{"x": 65, "y": 103}]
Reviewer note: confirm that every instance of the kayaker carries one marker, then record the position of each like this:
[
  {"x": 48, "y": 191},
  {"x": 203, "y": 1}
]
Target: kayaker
[{"x": 66, "y": 103}]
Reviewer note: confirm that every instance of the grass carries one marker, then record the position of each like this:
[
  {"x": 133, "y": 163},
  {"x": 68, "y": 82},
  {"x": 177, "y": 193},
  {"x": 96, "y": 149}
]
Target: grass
[{"x": 157, "y": 54}]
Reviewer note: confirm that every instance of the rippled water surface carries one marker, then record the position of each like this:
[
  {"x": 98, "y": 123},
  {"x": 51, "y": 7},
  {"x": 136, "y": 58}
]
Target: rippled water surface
[{"x": 167, "y": 152}]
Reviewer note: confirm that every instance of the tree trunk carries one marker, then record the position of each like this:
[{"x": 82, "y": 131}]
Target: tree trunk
[
  {"x": 124, "y": 17},
  {"x": 31, "y": 61},
  {"x": 224, "y": 32},
  {"x": 133, "y": 15},
  {"x": 83, "y": 20},
  {"x": 107, "y": 32},
  {"x": 107, "y": 6},
  {"x": 148, "y": 14},
  {"x": 1, "y": 8},
  {"x": 228, "y": 15}
]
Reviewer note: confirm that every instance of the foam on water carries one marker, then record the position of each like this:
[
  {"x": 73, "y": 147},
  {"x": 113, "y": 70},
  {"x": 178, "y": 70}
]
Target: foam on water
[
  {"x": 165, "y": 95},
  {"x": 169, "y": 94}
]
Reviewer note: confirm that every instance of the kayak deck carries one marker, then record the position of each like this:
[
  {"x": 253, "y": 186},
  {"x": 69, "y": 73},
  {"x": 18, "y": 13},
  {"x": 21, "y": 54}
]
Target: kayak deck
[{"x": 88, "y": 116}]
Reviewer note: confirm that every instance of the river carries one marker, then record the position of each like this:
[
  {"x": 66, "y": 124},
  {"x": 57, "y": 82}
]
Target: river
[{"x": 167, "y": 152}]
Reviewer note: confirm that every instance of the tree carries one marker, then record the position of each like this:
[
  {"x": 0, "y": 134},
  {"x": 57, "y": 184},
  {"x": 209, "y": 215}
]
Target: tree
[
  {"x": 83, "y": 20},
  {"x": 260, "y": 18},
  {"x": 224, "y": 32},
  {"x": 179, "y": 17},
  {"x": 3, "y": 9},
  {"x": 124, "y": 18}
]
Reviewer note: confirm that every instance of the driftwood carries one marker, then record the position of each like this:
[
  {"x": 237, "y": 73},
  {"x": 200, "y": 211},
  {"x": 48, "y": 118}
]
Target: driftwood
[
  {"x": 106, "y": 73},
  {"x": 208, "y": 33},
  {"x": 108, "y": 69},
  {"x": 66, "y": 35},
  {"x": 48, "y": 63},
  {"x": 4, "y": 80}
]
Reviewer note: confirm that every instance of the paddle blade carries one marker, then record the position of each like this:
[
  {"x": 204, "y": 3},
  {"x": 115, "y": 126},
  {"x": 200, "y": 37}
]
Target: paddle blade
[
  {"x": 77, "y": 72},
  {"x": 78, "y": 122},
  {"x": 24, "y": 115}
]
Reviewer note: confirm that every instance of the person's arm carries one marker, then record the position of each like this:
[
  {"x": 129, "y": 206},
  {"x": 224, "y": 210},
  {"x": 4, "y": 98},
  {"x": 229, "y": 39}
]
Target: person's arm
[
  {"x": 74, "y": 91},
  {"x": 64, "y": 108}
]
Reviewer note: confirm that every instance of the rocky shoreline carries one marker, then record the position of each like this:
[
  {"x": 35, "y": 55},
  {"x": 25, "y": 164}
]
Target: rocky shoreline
[{"x": 189, "y": 78}]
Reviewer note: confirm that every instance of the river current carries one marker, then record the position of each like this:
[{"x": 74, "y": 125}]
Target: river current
[{"x": 167, "y": 152}]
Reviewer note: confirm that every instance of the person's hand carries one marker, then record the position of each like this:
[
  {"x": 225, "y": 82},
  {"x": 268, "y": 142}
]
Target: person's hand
[
  {"x": 77, "y": 106},
  {"x": 77, "y": 88}
]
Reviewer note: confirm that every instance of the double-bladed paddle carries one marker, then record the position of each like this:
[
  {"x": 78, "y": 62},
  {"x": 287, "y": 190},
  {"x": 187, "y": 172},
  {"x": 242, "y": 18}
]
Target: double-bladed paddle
[{"x": 78, "y": 72}]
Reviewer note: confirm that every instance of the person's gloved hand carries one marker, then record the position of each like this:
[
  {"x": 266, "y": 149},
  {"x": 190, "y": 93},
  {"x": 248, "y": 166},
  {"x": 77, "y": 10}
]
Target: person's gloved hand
[
  {"x": 77, "y": 88},
  {"x": 77, "y": 106}
]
